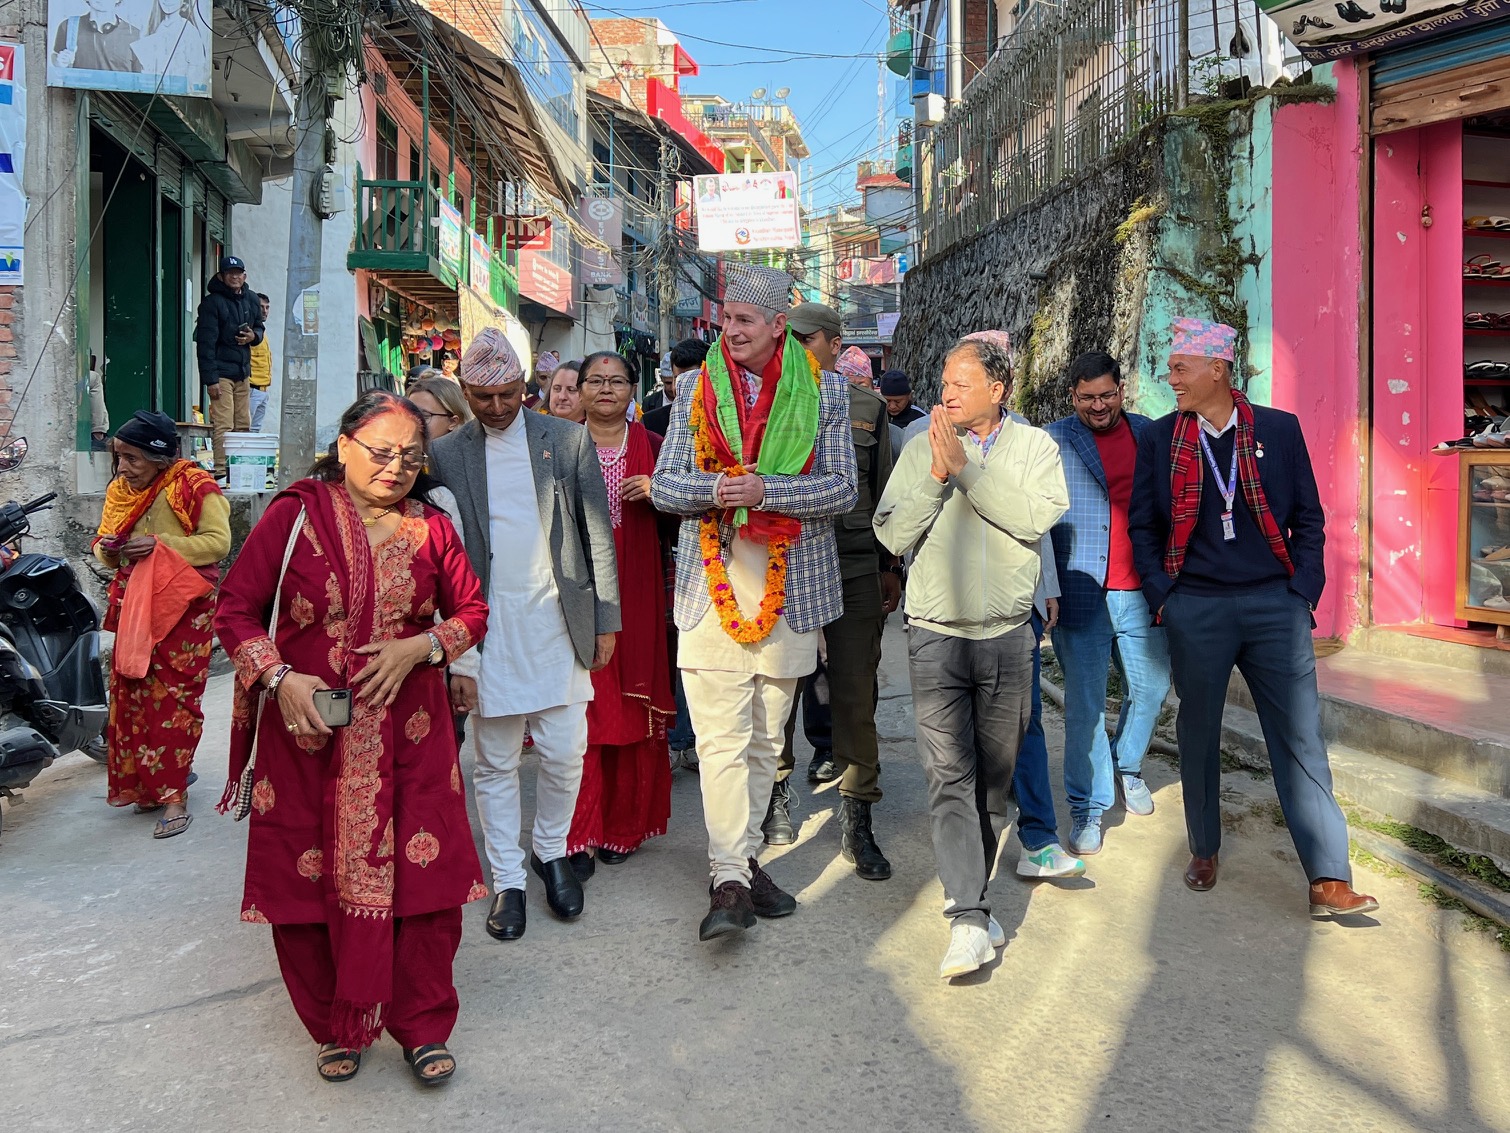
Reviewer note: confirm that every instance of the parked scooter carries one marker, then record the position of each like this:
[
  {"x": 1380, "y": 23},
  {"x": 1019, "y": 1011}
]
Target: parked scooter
[{"x": 53, "y": 697}]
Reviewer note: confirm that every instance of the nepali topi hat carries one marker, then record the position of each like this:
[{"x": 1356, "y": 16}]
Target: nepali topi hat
[
  {"x": 491, "y": 360},
  {"x": 1203, "y": 339}
]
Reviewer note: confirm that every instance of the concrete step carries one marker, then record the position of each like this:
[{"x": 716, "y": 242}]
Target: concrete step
[
  {"x": 1470, "y": 819},
  {"x": 1473, "y": 651},
  {"x": 1448, "y": 722}
]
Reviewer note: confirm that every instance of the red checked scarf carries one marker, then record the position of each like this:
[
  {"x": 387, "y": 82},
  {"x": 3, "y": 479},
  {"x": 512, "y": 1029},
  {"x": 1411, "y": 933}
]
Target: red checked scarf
[{"x": 1187, "y": 477}]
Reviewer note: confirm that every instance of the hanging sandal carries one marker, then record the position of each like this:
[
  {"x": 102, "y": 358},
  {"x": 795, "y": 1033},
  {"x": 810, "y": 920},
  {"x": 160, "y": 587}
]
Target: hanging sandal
[
  {"x": 172, "y": 827},
  {"x": 421, "y": 1058},
  {"x": 332, "y": 1055}
]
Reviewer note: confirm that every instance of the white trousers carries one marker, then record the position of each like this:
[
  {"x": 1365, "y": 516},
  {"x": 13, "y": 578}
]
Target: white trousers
[
  {"x": 740, "y": 721},
  {"x": 560, "y": 736}
]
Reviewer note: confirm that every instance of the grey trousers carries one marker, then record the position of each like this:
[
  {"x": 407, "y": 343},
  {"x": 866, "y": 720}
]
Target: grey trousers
[
  {"x": 972, "y": 701},
  {"x": 1266, "y": 634}
]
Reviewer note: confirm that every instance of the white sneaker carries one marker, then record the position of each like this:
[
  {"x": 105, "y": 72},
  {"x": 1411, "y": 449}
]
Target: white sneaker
[
  {"x": 996, "y": 933},
  {"x": 1051, "y": 861},
  {"x": 969, "y": 949}
]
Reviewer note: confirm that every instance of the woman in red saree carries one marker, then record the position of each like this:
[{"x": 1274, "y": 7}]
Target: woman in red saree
[
  {"x": 159, "y": 508},
  {"x": 625, "y": 797},
  {"x": 360, "y": 854}
]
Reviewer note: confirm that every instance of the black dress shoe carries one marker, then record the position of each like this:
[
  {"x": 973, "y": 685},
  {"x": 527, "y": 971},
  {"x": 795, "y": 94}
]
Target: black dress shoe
[
  {"x": 612, "y": 857},
  {"x": 766, "y": 897},
  {"x": 583, "y": 865},
  {"x": 563, "y": 892},
  {"x": 506, "y": 917},
  {"x": 822, "y": 769}
]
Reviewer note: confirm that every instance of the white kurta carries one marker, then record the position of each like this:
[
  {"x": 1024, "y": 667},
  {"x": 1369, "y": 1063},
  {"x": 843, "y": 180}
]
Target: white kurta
[{"x": 528, "y": 663}]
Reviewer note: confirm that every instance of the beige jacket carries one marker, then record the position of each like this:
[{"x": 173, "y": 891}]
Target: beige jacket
[{"x": 977, "y": 537}]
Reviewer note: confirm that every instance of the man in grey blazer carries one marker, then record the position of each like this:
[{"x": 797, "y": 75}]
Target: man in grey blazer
[{"x": 553, "y": 598}]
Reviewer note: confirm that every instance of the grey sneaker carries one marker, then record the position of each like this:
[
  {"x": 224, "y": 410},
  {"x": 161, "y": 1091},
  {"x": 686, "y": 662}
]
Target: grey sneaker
[
  {"x": 1051, "y": 861},
  {"x": 1136, "y": 795},
  {"x": 1085, "y": 837}
]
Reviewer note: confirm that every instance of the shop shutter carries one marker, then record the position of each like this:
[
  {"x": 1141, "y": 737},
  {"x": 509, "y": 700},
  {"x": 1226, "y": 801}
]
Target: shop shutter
[
  {"x": 170, "y": 174},
  {"x": 1457, "y": 76},
  {"x": 215, "y": 214}
]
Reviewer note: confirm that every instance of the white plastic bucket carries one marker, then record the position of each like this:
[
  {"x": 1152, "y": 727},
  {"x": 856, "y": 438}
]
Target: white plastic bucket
[{"x": 249, "y": 458}]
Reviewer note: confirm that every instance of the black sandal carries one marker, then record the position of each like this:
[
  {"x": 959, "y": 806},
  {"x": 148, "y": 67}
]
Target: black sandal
[
  {"x": 420, "y": 1058},
  {"x": 330, "y": 1054}
]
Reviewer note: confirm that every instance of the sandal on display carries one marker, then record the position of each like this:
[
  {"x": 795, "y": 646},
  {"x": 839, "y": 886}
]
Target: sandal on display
[
  {"x": 1480, "y": 266},
  {"x": 1479, "y": 320},
  {"x": 1489, "y": 223}
]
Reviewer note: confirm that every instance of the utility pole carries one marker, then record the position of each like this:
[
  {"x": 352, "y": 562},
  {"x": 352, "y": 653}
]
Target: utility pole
[
  {"x": 667, "y": 259},
  {"x": 301, "y": 326}
]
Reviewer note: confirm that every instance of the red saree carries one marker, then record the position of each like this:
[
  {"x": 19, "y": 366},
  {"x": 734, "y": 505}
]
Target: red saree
[
  {"x": 356, "y": 829},
  {"x": 625, "y": 797},
  {"x": 156, "y": 720}
]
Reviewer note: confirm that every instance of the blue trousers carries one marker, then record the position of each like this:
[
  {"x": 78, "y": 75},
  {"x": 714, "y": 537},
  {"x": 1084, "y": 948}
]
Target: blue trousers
[
  {"x": 1036, "y": 825},
  {"x": 1266, "y": 633},
  {"x": 1121, "y": 632}
]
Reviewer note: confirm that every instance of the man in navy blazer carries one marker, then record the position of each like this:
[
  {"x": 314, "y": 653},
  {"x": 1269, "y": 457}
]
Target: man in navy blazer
[
  {"x": 1228, "y": 534},
  {"x": 1103, "y": 616}
]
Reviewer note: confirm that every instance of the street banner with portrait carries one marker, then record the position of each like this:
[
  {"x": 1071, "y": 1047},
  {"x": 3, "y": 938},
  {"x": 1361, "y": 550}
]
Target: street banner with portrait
[
  {"x": 141, "y": 46},
  {"x": 743, "y": 211},
  {"x": 449, "y": 239},
  {"x": 12, "y": 156}
]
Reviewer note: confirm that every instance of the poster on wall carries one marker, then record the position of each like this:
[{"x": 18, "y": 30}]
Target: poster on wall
[
  {"x": 142, "y": 46},
  {"x": 12, "y": 154},
  {"x": 743, "y": 211},
  {"x": 450, "y": 238},
  {"x": 480, "y": 272},
  {"x": 1325, "y": 30}
]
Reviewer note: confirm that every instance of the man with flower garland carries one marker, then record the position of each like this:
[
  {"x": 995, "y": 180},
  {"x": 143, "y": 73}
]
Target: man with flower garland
[{"x": 758, "y": 459}]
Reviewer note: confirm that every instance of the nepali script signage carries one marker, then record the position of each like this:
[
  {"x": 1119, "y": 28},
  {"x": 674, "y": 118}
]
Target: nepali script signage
[
  {"x": 743, "y": 211},
  {"x": 138, "y": 46},
  {"x": 1324, "y": 31}
]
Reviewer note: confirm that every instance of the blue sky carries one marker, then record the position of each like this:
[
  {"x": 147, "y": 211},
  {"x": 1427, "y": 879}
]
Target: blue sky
[{"x": 810, "y": 46}]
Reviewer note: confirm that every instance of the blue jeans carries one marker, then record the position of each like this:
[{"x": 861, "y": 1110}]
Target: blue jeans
[
  {"x": 1036, "y": 824},
  {"x": 1122, "y": 632}
]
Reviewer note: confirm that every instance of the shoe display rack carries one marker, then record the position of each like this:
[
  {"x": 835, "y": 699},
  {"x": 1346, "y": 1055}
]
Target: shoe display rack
[
  {"x": 1484, "y": 539},
  {"x": 1486, "y": 283}
]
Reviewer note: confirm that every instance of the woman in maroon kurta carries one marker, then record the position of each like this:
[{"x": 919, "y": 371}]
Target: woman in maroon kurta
[
  {"x": 625, "y": 796},
  {"x": 360, "y": 854}
]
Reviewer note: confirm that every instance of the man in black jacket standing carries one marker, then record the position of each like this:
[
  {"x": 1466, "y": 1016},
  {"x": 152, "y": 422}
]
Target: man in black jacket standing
[{"x": 229, "y": 324}]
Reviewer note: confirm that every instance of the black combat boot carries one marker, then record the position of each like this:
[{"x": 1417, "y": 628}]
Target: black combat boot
[
  {"x": 858, "y": 844},
  {"x": 777, "y": 827}
]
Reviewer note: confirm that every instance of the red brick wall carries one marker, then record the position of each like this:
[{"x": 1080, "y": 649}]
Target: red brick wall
[
  {"x": 9, "y": 308},
  {"x": 976, "y": 52}
]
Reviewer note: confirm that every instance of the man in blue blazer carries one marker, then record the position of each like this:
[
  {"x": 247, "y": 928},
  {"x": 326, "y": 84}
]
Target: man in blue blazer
[
  {"x": 1103, "y": 617},
  {"x": 1228, "y": 534}
]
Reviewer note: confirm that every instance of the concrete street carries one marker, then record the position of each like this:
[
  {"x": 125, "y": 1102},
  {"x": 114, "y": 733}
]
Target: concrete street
[{"x": 131, "y": 998}]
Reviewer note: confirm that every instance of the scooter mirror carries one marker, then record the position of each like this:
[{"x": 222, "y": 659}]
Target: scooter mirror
[{"x": 12, "y": 455}]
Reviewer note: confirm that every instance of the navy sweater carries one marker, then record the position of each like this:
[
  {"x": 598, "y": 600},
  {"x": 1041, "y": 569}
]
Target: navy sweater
[{"x": 1213, "y": 565}]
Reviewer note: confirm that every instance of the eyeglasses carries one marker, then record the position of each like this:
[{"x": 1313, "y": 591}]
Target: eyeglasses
[
  {"x": 427, "y": 415},
  {"x": 618, "y": 385},
  {"x": 382, "y": 457},
  {"x": 1098, "y": 398}
]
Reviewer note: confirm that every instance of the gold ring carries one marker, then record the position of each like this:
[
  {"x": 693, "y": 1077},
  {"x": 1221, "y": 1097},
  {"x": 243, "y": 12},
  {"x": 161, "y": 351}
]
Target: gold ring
[{"x": 293, "y": 727}]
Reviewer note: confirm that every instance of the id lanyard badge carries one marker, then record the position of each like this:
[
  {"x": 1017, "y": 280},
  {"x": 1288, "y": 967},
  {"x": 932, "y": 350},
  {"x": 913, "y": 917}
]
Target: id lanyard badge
[{"x": 1228, "y": 488}]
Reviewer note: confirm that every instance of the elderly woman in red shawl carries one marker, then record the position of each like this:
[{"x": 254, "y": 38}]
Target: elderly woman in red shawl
[
  {"x": 625, "y": 797},
  {"x": 360, "y": 854},
  {"x": 167, "y": 526}
]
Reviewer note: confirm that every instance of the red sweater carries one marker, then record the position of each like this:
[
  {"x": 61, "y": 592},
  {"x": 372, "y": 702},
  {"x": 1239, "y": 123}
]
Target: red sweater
[{"x": 1119, "y": 459}]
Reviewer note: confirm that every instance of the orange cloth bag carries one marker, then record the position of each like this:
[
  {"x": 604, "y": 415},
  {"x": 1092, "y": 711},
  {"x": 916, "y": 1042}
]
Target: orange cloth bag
[{"x": 158, "y": 593}]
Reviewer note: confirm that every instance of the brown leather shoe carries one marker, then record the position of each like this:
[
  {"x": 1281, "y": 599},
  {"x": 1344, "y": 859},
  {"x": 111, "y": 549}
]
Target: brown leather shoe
[
  {"x": 1200, "y": 874},
  {"x": 1334, "y": 898}
]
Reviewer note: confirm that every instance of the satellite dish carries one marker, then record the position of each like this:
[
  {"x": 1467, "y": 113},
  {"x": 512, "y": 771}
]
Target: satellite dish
[
  {"x": 782, "y": 92},
  {"x": 758, "y": 92}
]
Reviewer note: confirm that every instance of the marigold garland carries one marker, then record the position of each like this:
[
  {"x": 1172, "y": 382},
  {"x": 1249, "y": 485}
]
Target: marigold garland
[{"x": 745, "y": 630}]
